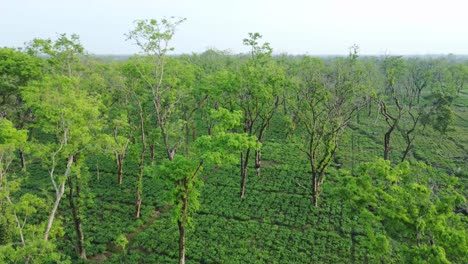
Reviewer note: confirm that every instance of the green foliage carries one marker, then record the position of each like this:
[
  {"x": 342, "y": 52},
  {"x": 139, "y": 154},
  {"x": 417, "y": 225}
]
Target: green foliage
[
  {"x": 152, "y": 36},
  {"x": 183, "y": 183},
  {"x": 441, "y": 114},
  {"x": 187, "y": 118},
  {"x": 21, "y": 218},
  {"x": 10, "y": 138},
  {"x": 63, "y": 54},
  {"x": 411, "y": 205},
  {"x": 55, "y": 102},
  {"x": 122, "y": 242},
  {"x": 221, "y": 148},
  {"x": 16, "y": 69}
]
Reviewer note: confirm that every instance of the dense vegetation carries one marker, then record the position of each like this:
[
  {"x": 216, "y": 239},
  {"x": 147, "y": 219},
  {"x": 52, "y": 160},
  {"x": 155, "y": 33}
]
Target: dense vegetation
[{"x": 222, "y": 158}]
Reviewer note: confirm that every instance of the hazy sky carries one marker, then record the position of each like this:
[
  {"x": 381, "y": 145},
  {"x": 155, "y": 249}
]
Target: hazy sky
[{"x": 293, "y": 26}]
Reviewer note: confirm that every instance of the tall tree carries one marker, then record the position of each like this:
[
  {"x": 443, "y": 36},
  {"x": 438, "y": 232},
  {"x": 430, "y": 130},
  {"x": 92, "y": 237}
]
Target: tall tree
[
  {"x": 55, "y": 101},
  {"x": 391, "y": 95},
  {"x": 138, "y": 99},
  {"x": 459, "y": 74},
  {"x": 418, "y": 77},
  {"x": 153, "y": 38},
  {"x": 107, "y": 81},
  {"x": 20, "y": 213},
  {"x": 17, "y": 69},
  {"x": 326, "y": 99},
  {"x": 182, "y": 174},
  {"x": 261, "y": 82}
]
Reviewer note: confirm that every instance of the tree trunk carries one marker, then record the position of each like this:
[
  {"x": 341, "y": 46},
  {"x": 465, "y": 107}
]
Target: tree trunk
[
  {"x": 138, "y": 203},
  {"x": 151, "y": 147},
  {"x": 187, "y": 134},
  {"x": 387, "y": 141},
  {"x": 409, "y": 145},
  {"x": 76, "y": 217},
  {"x": 392, "y": 123},
  {"x": 119, "y": 161},
  {"x": 23, "y": 159},
  {"x": 258, "y": 161},
  {"x": 59, "y": 191},
  {"x": 58, "y": 197},
  {"x": 409, "y": 136},
  {"x": 387, "y": 145},
  {"x": 315, "y": 189},
  {"x": 194, "y": 132},
  {"x": 183, "y": 219},
  {"x": 181, "y": 242},
  {"x": 139, "y": 184},
  {"x": 140, "y": 165},
  {"x": 244, "y": 165}
]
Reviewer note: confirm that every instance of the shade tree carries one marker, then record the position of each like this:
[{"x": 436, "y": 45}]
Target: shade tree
[
  {"x": 326, "y": 99},
  {"x": 407, "y": 211},
  {"x": 182, "y": 174},
  {"x": 260, "y": 84}
]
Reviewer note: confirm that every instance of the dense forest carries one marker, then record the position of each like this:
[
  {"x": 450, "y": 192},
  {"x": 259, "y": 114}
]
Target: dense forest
[{"x": 230, "y": 158}]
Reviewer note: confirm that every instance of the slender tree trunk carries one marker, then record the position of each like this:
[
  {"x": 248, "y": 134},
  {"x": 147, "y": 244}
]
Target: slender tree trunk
[
  {"x": 140, "y": 165},
  {"x": 151, "y": 147},
  {"x": 409, "y": 136},
  {"x": 392, "y": 123},
  {"x": 76, "y": 216},
  {"x": 139, "y": 185},
  {"x": 58, "y": 197},
  {"x": 23, "y": 159},
  {"x": 387, "y": 141},
  {"x": 119, "y": 163},
  {"x": 187, "y": 134},
  {"x": 194, "y": 131},
  {"x": 244, "y": 165},
  {"x": 315, "y": 189},
  {"x": 181, "y": 223},
  {"x": 387, "y": 146},
  {"x": 59, "y": 191},
  {"x": 258, "y": 161},
  {"x": 181, "y": 242},
  {"x": 20, "y": 229},
  {"x": 138, "y": 203},
  {"x": 409, "y": 145},
  {"x": 419, "y": 94},
  {"x": 209, "y": 129}
]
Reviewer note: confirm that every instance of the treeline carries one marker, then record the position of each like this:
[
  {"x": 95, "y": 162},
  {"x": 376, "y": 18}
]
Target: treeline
[{"x": 175, "y": 119}]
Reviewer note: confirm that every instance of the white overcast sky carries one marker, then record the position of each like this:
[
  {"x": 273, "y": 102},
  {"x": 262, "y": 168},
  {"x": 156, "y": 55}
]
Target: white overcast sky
[{"x": 293, "y": 26}]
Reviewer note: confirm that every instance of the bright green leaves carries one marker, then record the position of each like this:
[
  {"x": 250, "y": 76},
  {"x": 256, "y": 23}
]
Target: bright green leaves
[
  {"x": 16, "y": 69},
  {"x": 153, "y": 36},
  {"x": 394, "y": 68},
  {"x": 63, "y": 54},
  {"x": 64, "y": 110},
  {"x": 225, "y": 119},
  {"x": 10, "y": 137},
  {"x": 181, "y": 177},
  {"x": 325, "y": 99},
  {"x": 223, "y": 146},
  {"x": 21, "y": 218},
  {"x": 11, "y": 140},
  {"x": 413, "y": 205},
  {"x": 441, "y": 114},
  {"x": 258, "y": 52}
]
